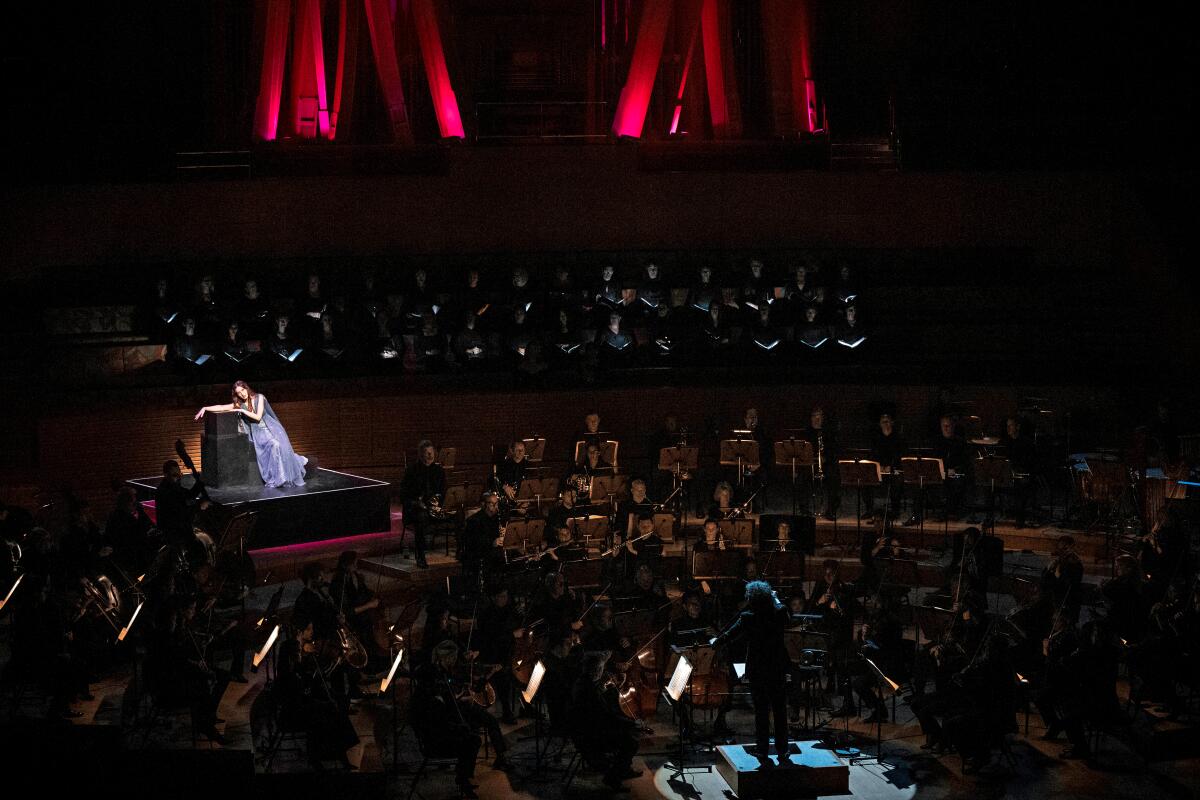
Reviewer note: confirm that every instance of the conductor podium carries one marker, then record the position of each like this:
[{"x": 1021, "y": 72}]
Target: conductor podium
[
  {"x": 226, "y": 452},
  {"x": 809, "y": 772}
]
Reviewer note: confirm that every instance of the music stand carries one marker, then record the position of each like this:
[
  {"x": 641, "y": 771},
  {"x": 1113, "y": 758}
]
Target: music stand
[
  {"x": 677, "y": 687},
  {"x": 603, "y": 487},
  {"x": 529, "y": 694},
  {"x": 740, "y": 453},
  {"x": 583, "y": 573},
  {"x": 859, "y": 473},
  {"x": 923, "y": 472},
  {"x": 882, "y": 680},
  {"x": 738, "y": 532},
  {"x": 593, "y": 526},
  {"x": 808, "y": 651},
  {"x": 682, "y": 462},
  {"x": 664, "y": 526},
  {"x": 535, "y": 448},
  {"x": 996, "y": 472},
  {"x": 456, "y": 497},
  {"x": 933, "y": 622},
  {"x": 523, "y": 534},
  {"x": 446, "y": 457},
  {"x": 796, "y": 453},
  {"x": 783, "y": 566},
  {"x": 608, "y": 449}
]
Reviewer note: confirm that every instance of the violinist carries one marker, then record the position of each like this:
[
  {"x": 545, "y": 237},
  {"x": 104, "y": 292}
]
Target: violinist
[
  {"x": 438, "y": 718},
  {"x": 423, "y": 489},
  {"x": 304, "y": 702},
  {"x": 496, "y": 635},
  {"x": 561, "y": 660},
  {"x": 313, "y": 603},
  {"x": 695, "y": 626},
  {"x": 1062, "y": 577},
  {"x": 354, "y": 599},
  {"x": 598, "y": 727},
  {"x": 762, "y": 623},
  {"x": 882, "y": 641},
  {"x": 557, "y": 604},
  {"x": 439, "y": 627},
  {"x": 648, "y": 593},
  {"x": 1080, "y": 683},
  {"x": 944, "y": 660}
]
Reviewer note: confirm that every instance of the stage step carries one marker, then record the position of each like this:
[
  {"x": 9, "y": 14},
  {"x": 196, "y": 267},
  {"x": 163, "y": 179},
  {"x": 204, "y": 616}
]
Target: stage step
[
  {"x": 406, "y": 572},
  {"x": 812, "y": 771},
  {"x": 868, "y": 154}
]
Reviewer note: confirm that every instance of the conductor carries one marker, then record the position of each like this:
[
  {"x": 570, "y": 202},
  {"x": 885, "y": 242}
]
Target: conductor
[{"x": 763, "y": 623}]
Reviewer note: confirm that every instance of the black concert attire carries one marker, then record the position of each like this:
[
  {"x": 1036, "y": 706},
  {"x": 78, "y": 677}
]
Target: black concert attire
[
  {"x": 313, "y": 606},
  {"x": 957, "y": 460},
  {"x": 767, "y": 666},
  {"x": 600, "y": 730},
  {"x": 558, "y": 612},
  {"x": 176, "y": 674},
  {"x": 479, "y": 555},
  {"x": 512, "y": 474},
  {"x": 303, "y": 702},
  {"x": 561, "y": 673},
  {"x": 439, "y": 723},
  {"x": 420, "y": 484},
  {"x": 174, "y": 507},
  {"x": 494, "y": 639},
  {"x": 127, "y": 533},
  {"x": 1060, "y": 584},
  {"x": 348, "y": 591},
  {"x": 887, "y": 450},
  {"x": 884, "y": 645},
  {"x": 825, "y": 444},
  {"x": 1022, "y": 460}
]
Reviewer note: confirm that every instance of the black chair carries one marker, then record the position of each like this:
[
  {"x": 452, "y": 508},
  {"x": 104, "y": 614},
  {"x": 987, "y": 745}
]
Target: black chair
[{"x": 428, "y": 758}]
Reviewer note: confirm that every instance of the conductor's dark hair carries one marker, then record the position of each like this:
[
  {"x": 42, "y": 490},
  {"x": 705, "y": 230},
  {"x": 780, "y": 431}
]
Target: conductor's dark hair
[{"x": 758, "y": 595}]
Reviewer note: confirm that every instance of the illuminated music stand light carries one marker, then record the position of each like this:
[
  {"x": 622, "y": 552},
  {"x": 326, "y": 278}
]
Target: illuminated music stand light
[
  {"x": 529, "y": 694},
  {"x": 882, "y": 680},
  {"x": 675, "y": 689},
  {"x": 11, "y": 589},
  {"x": 128, "y": 627},
  {"x": 386, "y": 682},
  {"x": 266, "y": 648}
]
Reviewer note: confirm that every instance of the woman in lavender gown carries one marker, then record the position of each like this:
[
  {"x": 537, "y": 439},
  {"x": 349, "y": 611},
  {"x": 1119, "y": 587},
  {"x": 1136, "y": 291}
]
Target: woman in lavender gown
[{"x": 277, "y": 462}]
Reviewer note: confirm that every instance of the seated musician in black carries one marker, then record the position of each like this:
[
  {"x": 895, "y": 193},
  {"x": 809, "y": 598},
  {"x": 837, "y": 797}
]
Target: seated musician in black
[
  {"x": 645, "y": 545},
  {"x": 631, "y": 509},
  {"x": 126, "y": 532},
  {"x": 833, "y": 600},
  {"x": 987, "y": 710},
  {"x": 313, "y": 604},
  {"x": 1126, "y": 600},
  {"x": 695, "y": 626},
  {"x": 722, "y": 506},
  {"x": 557, "y": 604},
  {"x": 956, "y": 458},
  {"x": 305, "y": 702},
  {"x": 883, "y": 643},
  {"x": 423, "y": 488},
  {"x": 177, "y": 671},
  {"x": 495, "y": 635},
  {"x": 561, "y": 660},
  {"x": 354, "y": 600},
  {"x": 482, "y": 551},
  {"x": 713, "y": 540},
  {"x": 1062, "y": 577},
  {"x": 648, "y": 594},
  {"x": 598, "y": 727},
  {"x": 1019, "y": 449},
  {"x": 510, "y": 473},
  {"x": 601, "y": 634},
  {"x": 588, "y": 467},
  {"x": 887, "y": 448},
  {"x": 558, "y": 533},
  {"x": 941, "y": 661},
  {"x": 438, "y": 719}
]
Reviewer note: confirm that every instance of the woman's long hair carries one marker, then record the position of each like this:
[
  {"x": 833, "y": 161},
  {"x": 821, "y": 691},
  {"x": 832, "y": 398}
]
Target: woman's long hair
[{"x": 250, "y": 394}]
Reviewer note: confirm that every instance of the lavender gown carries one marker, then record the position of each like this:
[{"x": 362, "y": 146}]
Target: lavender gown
[{"x": 277, "y": 462}]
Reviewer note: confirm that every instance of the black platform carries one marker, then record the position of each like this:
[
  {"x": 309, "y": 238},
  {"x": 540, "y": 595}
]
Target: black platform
[{"x": 329, "y": 505}]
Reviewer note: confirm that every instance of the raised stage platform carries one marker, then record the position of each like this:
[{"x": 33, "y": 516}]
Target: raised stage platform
[{"x": 329, "y": 505}]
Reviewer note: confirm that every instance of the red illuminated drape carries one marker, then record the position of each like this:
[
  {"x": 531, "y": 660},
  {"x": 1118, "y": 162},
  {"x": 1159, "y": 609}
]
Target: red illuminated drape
[{"x": 445, "y": 104}]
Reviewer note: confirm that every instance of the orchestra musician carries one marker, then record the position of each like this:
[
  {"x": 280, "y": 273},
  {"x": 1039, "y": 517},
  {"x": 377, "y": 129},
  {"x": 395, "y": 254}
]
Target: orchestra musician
[
  {"x": 178, "y": 672},
  {"x": 956, "y": 458},
  {"x": 482, "y": 552},
  {"x": 713, "y": 539},
  {"x": 423, "y": 488},
  {"x": 438, "y": 716},
  {"x": 602, "y": 634},
  {"x": 1018, "y": 447},
  {"x": 1062, "y": 577},
  {"x": 590, "y": 464},
  {"x": 175, "y": 506},
  {"x": 497, "y": 630},
  {"x": 304, "y": 701},
  {"x": 825, "y": 454},
  {"x": 762, "y": 623},
  {"x": 598, "y": 727},
  {"x": 631, "y": 509},
  {"x": 510, "y": 473},
  {"x": 887, "y": 448},
  {"x": 557, "y": 604},
  {"x": 354, "y": 600}
]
